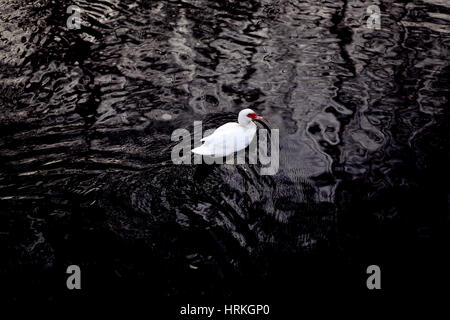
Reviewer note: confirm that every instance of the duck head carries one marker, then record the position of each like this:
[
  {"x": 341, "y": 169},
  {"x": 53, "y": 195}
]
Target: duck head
[{"x": 247, "y": 115}]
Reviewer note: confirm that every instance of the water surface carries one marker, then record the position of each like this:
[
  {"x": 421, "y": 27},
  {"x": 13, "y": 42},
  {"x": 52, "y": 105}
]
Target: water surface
[{"x": 87, "y": 115}]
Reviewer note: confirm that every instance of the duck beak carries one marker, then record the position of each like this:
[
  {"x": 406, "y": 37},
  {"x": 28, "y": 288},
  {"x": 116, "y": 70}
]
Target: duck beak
[{"x": 254, "y": 116}]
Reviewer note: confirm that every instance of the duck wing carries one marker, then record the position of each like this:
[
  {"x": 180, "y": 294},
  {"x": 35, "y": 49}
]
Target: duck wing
[
  {"x": 221, "y": 130},
  {"x": 228, "y": 140}
]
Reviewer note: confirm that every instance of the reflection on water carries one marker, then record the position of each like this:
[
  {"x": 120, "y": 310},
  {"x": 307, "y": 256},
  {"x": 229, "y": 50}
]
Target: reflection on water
[{"x": 86, "y": 118}]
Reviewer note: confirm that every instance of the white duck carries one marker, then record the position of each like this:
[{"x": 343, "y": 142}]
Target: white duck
[{"x": 231, "y": 137}]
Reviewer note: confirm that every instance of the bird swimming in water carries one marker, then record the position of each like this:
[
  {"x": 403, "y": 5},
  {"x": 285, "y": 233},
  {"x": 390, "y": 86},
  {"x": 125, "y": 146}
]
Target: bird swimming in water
[{"x": 230, "y": 137}]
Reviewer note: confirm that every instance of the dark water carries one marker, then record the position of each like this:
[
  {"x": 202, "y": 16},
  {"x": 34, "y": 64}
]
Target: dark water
[{"x": 86, "y": 176}]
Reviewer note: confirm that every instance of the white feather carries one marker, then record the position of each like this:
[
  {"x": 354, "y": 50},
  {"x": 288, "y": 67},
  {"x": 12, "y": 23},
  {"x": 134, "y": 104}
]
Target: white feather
[{"x": 227, "y": 139}]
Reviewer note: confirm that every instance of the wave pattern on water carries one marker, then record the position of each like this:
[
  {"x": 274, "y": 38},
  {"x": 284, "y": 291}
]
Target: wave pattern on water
[{"x": 87, "y": 115}]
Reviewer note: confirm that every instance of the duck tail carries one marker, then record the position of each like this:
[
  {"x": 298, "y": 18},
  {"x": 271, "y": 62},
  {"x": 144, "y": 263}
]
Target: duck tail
[{"x": 202, "y": 150}]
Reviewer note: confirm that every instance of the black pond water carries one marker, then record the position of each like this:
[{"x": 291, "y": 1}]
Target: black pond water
[{"x": 86, "y": 119}]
